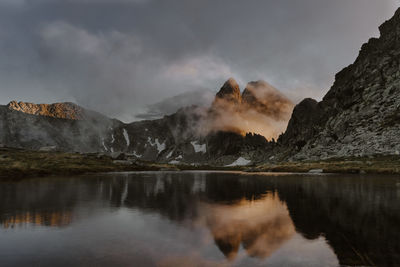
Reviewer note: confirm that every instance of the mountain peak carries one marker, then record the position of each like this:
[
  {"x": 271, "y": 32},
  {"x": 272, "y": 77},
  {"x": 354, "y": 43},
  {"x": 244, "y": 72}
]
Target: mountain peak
[
  {"x": 359, "y": 114},
  {"x": 266, "y": 99},
  {"x": 230, "y": 91},
  {"x": 258, "y": 89}
]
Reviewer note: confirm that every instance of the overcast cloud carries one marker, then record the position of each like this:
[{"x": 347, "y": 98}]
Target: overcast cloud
[{"x": 117, "y": 56}]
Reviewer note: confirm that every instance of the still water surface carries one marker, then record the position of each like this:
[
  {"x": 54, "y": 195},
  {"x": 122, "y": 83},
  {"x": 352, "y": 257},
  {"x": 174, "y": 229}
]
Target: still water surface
[{"x": 201, "y": 219}]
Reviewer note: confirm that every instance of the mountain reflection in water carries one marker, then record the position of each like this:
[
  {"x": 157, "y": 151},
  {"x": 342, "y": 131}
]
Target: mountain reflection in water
[
  {"x": 201, "y": 219},
  {"x": 261, "y": 226}
]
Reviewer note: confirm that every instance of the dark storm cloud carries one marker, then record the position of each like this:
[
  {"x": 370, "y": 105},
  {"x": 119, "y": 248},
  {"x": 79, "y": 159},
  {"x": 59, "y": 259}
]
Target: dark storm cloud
[{"x": 117, "y": 56}]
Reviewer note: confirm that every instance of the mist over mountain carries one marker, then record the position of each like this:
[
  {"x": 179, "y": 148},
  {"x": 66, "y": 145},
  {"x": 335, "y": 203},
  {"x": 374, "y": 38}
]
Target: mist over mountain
[
  {"x": 219, "y": 130},
  {"x": 118, "y": 56},
  {"x": 357, "y": 117},
  {"x": 202, "y": 98}
]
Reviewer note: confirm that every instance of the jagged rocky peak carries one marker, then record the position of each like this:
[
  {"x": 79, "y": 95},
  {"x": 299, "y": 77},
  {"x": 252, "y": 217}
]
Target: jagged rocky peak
[
  {"x": 230, "y": 91},
  {"x": 391, "y": 28},
  {"x": 64, "y": 110},
  {"x": 258, "y": 87},
  {"x": 266, "y": 99},
  {"x": 359, "y": 114},
  {"x": 375, "y": 66}
]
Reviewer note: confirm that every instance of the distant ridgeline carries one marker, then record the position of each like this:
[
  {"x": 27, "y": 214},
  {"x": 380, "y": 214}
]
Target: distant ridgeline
[
  {"x": 57, "y": 110},
  {"x": 202, "y": 135},
  {"x": 359, "y": 116}
]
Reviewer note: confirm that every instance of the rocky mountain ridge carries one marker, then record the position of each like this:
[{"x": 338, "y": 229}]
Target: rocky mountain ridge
[
  {"x": 359, "y": 116},
  {"x": 57, "y": 110},
  {"x": 187, "y": 136}
]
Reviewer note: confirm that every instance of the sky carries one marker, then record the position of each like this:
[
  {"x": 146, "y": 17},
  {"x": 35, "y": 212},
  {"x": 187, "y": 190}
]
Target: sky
[{"x": 120, "y": 57}]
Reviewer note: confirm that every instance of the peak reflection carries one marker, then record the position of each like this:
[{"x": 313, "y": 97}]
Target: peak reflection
[
  {"x": 235, "y": 216},
  {"x": 261, "y": 226}
]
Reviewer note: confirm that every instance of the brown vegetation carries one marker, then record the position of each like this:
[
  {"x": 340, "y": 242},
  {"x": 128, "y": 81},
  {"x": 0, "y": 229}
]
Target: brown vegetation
[{"x": 18, "y": 163}]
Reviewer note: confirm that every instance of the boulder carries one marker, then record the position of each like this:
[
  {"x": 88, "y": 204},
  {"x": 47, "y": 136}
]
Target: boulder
[
  {"x": 48, "y": 149},
  {"x": 316, "y": 171},
  {"x": 123, "y": 162},
  {"x": 118, "y": 156}
]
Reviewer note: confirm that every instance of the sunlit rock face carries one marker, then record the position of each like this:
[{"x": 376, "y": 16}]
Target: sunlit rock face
[
  {"x": 56, "y": 110},
  {"x": 229, "y": 92},
  {"x": 261, "y": 226}
]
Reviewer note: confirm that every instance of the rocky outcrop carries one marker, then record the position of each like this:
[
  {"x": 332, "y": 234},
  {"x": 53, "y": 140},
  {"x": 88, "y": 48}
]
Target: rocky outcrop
[
  {"x": 359, "y": 114},
  {"x": 57, "y": 110},
  {"x": 301, "y": 125}
]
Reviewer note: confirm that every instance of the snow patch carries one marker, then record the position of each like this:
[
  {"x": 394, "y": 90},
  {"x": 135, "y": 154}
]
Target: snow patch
[
  {"x": 170, "y": 154},
  {"x": 160, "y": 147},
  {"x": 150, "y": 142},
  {"x": 112, "y": 139},
  {"x": 136, "y": 155},
  {"x": 179, "y": 157},
  {"x": 125, "y": 133},
  {"x": 199, "y": 148},
  {"x": 105, "y": 148},
  {"x": 239, "y": 162},
  {"x": 174, "y": 162}
]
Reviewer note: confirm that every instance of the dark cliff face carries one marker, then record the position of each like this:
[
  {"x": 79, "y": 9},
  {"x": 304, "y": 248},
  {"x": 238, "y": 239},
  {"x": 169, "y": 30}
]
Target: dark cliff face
[
  {"x": 301, "y": 124},
  {"x": 359, "y": 114}
]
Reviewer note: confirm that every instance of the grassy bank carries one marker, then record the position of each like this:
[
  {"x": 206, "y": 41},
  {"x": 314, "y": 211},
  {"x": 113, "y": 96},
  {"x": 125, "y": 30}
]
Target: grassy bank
[
  {"x": 18, "y": 163},
  {"x": 374, "y": 165}
]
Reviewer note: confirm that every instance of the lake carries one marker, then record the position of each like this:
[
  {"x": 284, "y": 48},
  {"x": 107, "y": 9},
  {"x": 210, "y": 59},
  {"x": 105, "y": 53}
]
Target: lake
[{"x": 201, "y": 219}]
